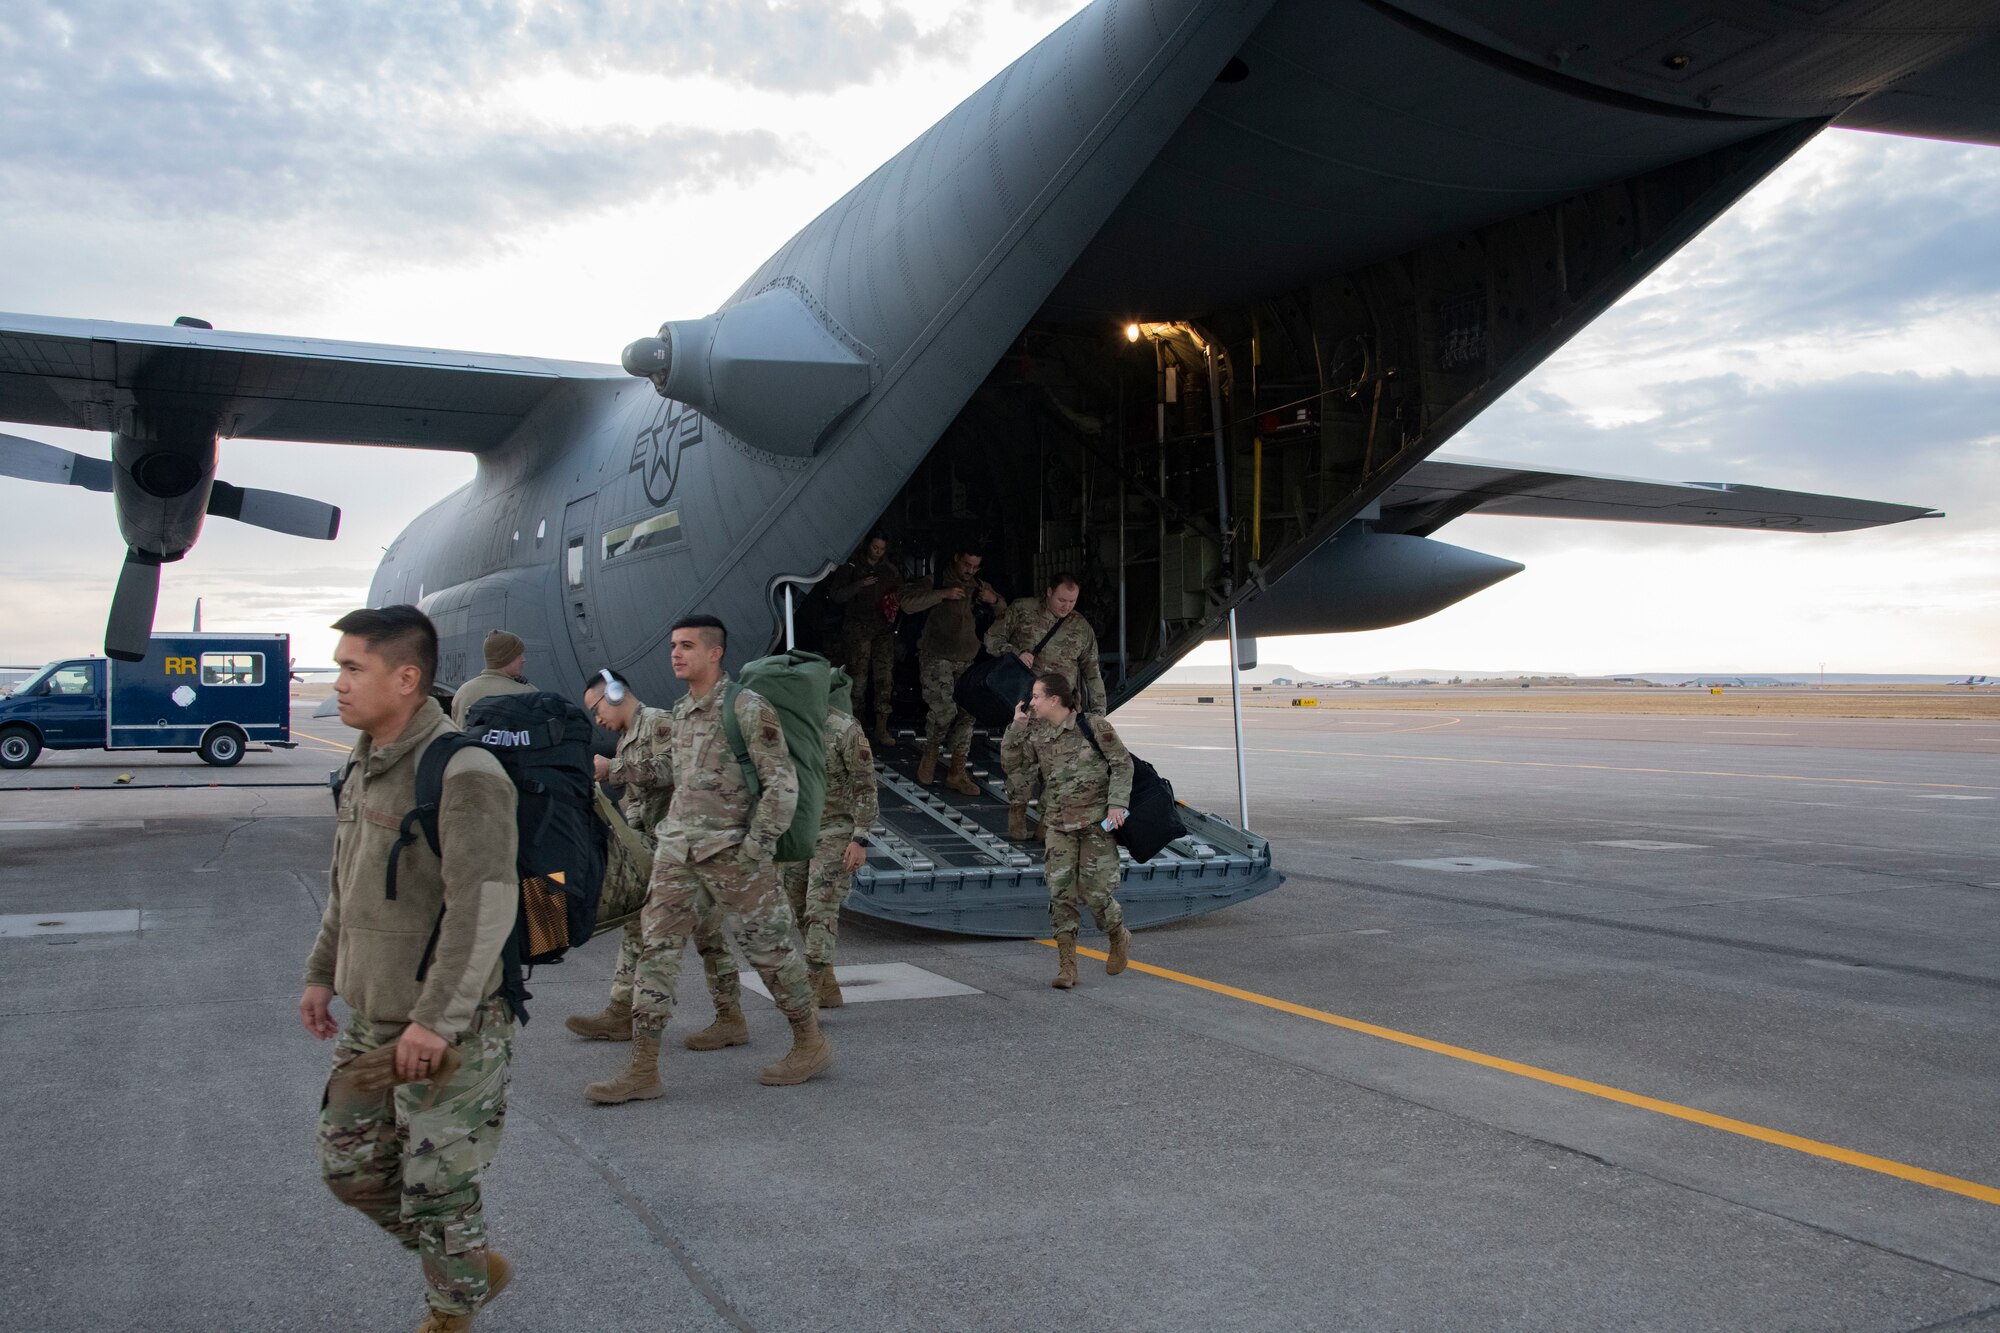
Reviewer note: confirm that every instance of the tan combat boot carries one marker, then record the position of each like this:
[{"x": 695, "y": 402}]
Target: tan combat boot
[
  {"x": 1065, "y": 962},
  {"x": 826, "y": 988},
  {"x": 1017, "y": 822},
  {"x": 882, "y": 739},
  {"x": 641, "y": 1079},
  {"x": 959, "y": 780},
  {"x": 728, "y": 1029},
  {"x": 927, "y": 766},
  {"x": 498, "y": 1274},
  {"x": 614, "y": 1024},
  {"x": 1114, "y": 962},
  {"x": 809, "y": 1055}
]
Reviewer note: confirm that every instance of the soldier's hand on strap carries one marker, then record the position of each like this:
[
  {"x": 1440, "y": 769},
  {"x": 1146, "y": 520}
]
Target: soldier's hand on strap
[
  {"x": 952, "y": 595},
  {"x": 1027, "y": 659},
  {"x": 853, "y": 857},
  {"x": 418, "y": 1052},
  {"x": 314, "y": 1013},
  {"x": 868, "y": 582},
  {"x": 601, "y": 767},
  {"x": 987, "y": 595}
]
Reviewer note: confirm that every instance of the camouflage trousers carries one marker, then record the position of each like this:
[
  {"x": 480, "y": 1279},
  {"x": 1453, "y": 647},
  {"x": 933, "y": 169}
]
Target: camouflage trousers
[
  {"x": 946, "y": 725},
  {"x": 1082, "y": 867},
  {"x": 1021, "y": 773},
  {"x": 871, "y": 659},
  {"x": 816, "y": 890},
  {"x": 413, "y": 1169},
  {"x": 748, "y": 894},
  {"x": 626, "y": 884}
]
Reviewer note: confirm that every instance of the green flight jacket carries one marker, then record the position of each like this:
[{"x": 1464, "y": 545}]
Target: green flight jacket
[{"x": 370, "y": 946}]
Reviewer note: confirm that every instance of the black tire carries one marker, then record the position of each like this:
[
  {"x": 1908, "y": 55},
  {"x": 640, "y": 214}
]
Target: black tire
[
  {"x": 222, "y": 747},
  {"x": 19, "y": 747}
]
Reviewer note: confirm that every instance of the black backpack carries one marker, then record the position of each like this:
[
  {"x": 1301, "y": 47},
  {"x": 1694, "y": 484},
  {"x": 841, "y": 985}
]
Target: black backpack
[
  {"x": 1153, "y": 818},
  {"x": 543, "y": 741}
]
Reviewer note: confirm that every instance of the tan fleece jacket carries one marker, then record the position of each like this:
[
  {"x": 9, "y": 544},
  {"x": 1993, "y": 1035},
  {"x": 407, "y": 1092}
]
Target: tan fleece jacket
[{"x": 369, "y": 946}]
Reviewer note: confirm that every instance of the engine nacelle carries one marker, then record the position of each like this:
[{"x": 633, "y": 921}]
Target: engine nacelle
[
  {"x": 774, "y": 371},
  {"x": 161, "y": 483},
  {"x": 1363, "y": 579}
]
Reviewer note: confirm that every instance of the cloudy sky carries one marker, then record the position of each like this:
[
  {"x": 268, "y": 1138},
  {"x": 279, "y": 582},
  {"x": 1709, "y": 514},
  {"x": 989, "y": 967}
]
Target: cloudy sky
[{"x": 556, "y": 179}]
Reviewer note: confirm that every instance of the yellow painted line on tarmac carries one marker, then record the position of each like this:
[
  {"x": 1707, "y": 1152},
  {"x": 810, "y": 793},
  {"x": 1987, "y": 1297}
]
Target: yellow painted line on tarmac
[
  {"x": 1615, "y": 768},
  {"x": 1971, "y": 1189},
  {"x": 325, "y": 744}
]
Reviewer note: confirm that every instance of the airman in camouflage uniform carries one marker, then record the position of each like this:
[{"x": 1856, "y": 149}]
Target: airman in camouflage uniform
[
  {"x": 818, "y": 887},
  {"x": 1084, "y": 787},
  {"x": 1068, "y": 647},
  {"x": 949, "y": 644},
  {"x": 713, "y": 850},
  {"x": 409, "y": 1157},
  {"x": 867, "y": 637},
  {"x": 642, "y": 768}
]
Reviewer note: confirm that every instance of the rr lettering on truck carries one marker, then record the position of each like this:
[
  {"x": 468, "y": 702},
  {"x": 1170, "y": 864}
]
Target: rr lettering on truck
[{"x": 181, "y": 666}]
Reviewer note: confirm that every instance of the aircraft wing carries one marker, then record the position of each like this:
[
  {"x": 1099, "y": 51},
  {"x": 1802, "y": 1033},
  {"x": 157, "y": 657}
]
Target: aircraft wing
[
  {"x": 1439, "y": 489},
  {"x": 91, "y": 375}
]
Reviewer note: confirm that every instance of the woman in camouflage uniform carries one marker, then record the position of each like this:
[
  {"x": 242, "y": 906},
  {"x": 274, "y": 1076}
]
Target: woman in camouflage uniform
[{"x": 1086, "y": 787}]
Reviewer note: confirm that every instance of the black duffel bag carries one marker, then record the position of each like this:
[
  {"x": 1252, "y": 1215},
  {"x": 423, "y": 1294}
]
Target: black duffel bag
[
  {"x": 1153, "y": 819},
  {"x": 992, "y": 686}
]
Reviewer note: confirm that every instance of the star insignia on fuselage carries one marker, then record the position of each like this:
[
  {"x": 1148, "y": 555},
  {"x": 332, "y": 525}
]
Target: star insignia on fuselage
[{"x": 656, "y": 453}]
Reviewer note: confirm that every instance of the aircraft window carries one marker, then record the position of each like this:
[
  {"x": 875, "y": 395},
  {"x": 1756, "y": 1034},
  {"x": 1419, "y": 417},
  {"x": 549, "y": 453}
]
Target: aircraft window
[
  {"x": 646, "y": 534},
  {"x": 573, "y": 562},
  {"x": 232, "y": 668},
  {"x": 73, "y": 680}
]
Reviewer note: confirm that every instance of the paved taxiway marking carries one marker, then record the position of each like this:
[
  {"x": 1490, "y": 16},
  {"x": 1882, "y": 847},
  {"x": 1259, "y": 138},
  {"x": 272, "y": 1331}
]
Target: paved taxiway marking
[
  {"x": 323, "y": 744},
  {"x": 1604, "y": 768},
  {"x": 1971, "y": 1189}
]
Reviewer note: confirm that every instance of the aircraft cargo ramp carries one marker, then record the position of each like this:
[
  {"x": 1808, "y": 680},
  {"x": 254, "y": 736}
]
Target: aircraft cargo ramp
[{"x": 942, "y": 861}]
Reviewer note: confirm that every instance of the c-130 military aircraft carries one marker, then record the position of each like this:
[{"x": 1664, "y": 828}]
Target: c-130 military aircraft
[{"x": 1183, "y": 300}]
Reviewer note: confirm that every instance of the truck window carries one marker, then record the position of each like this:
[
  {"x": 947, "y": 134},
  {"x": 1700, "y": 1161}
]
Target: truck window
[
  {"x": 232, "y": 668},
  {"x": 77, "y": 679}
]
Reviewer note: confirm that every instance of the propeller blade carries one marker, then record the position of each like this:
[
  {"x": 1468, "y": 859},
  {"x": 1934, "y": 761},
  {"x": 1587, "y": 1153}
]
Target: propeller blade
[
  {"x": 31, "y": 460},
  {"x": 129, "y": 631},
  {"x": 291, "y": 514}
]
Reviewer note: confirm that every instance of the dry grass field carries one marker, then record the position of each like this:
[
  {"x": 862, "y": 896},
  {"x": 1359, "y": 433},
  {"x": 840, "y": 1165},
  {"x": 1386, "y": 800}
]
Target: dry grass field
[{"x": 1938, "y": 702}]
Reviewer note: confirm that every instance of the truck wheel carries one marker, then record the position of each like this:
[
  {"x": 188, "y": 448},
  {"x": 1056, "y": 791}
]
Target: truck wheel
[
  {"x": 222, "y": 747},
  {"x": 19, "y": 747}
]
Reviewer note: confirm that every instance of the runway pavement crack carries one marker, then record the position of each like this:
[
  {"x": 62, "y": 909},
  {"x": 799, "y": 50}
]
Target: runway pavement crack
[
  {"x": 621, "y": 1189},
  {"x": 230, "y": 836},
  {"x": 1689, "y": 936},
  {"x": 305, "y": 886},
  {"x": 1981, "y": 1315}
]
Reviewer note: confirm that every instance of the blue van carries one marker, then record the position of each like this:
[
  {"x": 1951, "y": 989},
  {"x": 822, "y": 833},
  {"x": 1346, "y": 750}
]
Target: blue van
[{"x": 211, "y": 694}]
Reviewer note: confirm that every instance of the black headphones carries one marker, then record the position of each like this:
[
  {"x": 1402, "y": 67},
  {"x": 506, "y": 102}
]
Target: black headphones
[{"x": 614, "y": 692}]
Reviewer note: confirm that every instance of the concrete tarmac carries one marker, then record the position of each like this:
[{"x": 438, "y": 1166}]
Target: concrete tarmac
[{"x": 1619, "y": 1026}]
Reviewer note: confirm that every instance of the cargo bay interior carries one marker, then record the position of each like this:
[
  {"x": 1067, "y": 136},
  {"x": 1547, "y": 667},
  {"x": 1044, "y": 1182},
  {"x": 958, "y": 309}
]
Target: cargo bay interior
[{"x": 1183, "y": 459}]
